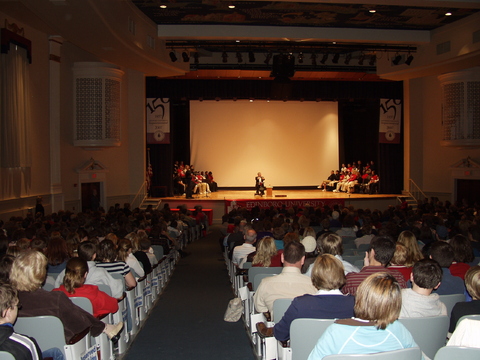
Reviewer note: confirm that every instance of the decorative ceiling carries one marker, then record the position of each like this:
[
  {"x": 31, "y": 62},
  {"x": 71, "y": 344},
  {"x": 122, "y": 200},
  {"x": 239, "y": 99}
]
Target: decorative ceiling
[{"x": 275, "y": 13}]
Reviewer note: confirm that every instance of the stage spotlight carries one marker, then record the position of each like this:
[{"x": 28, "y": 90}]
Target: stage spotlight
[
  {"x": 335, "y": 59},
  {"x": 185, "y": 57},
  {"x": 372, "y": 60},
  {"x": 348, "y": 57},
  {"x": 268, "y": 58},
  {"x": 324, "y": 58},
  {"x": 224, "y": 57},
  {"x": 361, "y": 59},
  {"x": 300, "y": 58},
  {"x": 173, "y": 56},
  {"x": 195, "y": 57},
  {"x": 314, "y": 59},
  {"x": 239, "y": 57},
  {"x": 251, "y": 56},
  {"x": 409, "y": 60},
  {"x": 396, "y": 59}
]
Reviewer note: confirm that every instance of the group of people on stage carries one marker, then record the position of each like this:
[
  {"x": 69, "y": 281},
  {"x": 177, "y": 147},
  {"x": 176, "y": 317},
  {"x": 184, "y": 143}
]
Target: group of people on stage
[
  {"x": 187, "y": 181},
  {"x": 352, "y": 178}
]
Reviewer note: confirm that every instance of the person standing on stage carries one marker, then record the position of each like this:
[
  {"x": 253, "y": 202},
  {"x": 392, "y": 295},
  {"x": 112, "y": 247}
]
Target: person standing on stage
[
  {"x": 259, "y": 184},
  {"x": 188, "y": 182}
]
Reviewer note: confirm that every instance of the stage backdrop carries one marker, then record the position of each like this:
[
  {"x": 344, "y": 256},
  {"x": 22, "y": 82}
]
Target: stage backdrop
[{"x": 292, "y": 143}]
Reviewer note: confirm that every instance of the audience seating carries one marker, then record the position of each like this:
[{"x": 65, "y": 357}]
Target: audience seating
[
  {"x": 279, "y": 308},
  {"x": 430, "y": 333},
  {"x": 304, "y": 334},
  {"x": 457, "y": 352},
  {"x": 6, "y": 356},
  {"x": 451, "y": 300},
  {"x": 403, "y": 354},
  {"x": 48, "y": 332}
]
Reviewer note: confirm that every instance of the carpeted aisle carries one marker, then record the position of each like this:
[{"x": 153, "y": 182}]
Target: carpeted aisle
[{"x": 187, "y": 321}]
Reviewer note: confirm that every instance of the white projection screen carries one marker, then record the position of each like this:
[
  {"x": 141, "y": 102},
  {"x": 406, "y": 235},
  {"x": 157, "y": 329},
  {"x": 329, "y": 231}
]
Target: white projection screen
[{"x": 291, "y": 143}]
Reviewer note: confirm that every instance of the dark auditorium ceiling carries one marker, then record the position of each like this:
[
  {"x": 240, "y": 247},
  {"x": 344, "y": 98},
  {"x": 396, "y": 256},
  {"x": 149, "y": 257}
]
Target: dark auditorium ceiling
[{"x": 223, "y": 57}]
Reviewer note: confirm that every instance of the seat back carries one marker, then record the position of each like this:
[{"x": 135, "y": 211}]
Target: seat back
[
  {"x": 451, "y": 300},
  {"x": 262, "y": 270},
  {"x": 304, "y": 334},
  {"x": 471, "y": 317},
  {"x": 6, "y": 356},
  {"x": 84, "y": 303},
  {"x": 457, "y": 352},
  {"x": 402, "y": 354},
  {"x": 258, "y": 279},
  {"x": 429, "y": 333},
  {"x": 158, "y": 251},
  {"x": 279, "y": 308}
]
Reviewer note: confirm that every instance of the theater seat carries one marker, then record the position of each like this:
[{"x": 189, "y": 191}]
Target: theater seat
[
  {"x": 304, "y": 334},
  {"x": 403, "y": 354}
]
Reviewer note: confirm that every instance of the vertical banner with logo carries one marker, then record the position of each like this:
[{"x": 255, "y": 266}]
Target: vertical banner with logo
[
  {"x": 158, "y": 121},
  {"x": 390, "y": 121}
]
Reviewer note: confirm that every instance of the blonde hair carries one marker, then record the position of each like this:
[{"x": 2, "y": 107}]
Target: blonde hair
[
  {"x": 135, "y": 239},
  {"x": 378, "y": 299},
  {"x": 265, "y": 250},
  {"x": 400, "y": 255},
  {"x": 414, "y": 254},
  {"x": 472, "y": 282},
  {"x": 328, "y": 273},
  {"x": 29, "y": 270},
  {"x": 123, "y": 246},
  {"x": 309, "y": 232}
]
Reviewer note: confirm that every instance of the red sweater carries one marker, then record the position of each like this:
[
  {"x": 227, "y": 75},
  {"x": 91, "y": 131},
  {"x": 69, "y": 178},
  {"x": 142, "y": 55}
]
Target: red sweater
[{"x": 102, "y": 303}]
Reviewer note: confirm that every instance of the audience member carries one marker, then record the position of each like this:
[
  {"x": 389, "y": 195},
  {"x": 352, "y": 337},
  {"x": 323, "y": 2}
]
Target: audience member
[
  {"x": 442, "y": 253},
  {"x": 288, "y": 284},
  {"x": 419, "y": 301},
  {"x": 472, "y": 283},
  {"x": 240, "y": 252},
  {"x": 375, "y": 327},
  {"x": 399, "y": 261},
  {"x": 376, "y": 259},
  {"x": 266, "y": 254},
  {"x": 462, "y": 255}
]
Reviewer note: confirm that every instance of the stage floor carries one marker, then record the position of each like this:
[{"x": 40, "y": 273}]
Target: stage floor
[{"x": 277, "y": 194}]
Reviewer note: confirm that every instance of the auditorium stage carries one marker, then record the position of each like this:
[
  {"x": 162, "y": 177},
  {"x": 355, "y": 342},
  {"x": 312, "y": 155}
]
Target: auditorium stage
[{"x": 221, "y": 201}]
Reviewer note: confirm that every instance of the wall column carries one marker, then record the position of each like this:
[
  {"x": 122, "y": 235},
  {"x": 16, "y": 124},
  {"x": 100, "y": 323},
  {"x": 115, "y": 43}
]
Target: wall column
[{"x": 56, "y": 191}]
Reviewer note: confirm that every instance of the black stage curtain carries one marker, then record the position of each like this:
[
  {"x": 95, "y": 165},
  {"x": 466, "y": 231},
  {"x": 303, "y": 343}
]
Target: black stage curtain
[{"x": 358, "y": 119}]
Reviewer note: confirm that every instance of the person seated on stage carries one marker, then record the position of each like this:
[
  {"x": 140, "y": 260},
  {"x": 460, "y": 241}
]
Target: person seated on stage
[
  {"x": 330, "y": 178},
  {"x": 74, "y": 286},
  {"x": 178, "y": 185},
  {"x": 259, "y": 184},
  {"x": 289, "y": 283},
  {"x": 349, "y": 186},
  {"x": 419, "y": 301},
  {"x": 373, "y": 183},
  {"x": 375, "y": 327},
  {"x": 327, "y": 303},
  {"x": 365, "y": 180},
  {"x": 343, "y": 179}
]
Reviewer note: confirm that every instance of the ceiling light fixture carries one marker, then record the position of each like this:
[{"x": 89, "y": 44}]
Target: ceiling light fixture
[
  {"x": 448, "y": 14},
  {"x": 348, "y": 57},
  {"x": 372, "y": 11},
  {"x": 396, "y": 59},
  {"x": 300, "y": 58},
  {"x": 324, "y": 58},
  {"x": 163, "y": 6},
  {"x": 231, "y": 6},
  {"x": 409, "y": 59}
]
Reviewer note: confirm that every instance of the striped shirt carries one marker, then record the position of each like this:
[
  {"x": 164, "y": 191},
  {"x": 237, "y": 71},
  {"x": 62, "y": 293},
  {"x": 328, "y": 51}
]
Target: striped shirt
[
  {"x": 354, "y": 279},
  {"x": 117, "y": 267}
]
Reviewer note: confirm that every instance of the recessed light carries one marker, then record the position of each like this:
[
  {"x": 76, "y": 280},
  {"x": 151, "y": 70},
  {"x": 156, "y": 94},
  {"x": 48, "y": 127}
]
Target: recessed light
[
  {"x": 448, "y": 14},
  {"x": 231, "y": 6},
  {"x": 372, "y": 11},
  {"x": 237, "y": 40},
  {"x": 334, "y": 42},
  {"x": 163, "y": 6}
]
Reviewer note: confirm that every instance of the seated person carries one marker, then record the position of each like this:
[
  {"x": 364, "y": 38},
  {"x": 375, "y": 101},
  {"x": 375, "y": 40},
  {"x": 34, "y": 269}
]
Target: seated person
[
  {"x": 472, "y": 282},
  {"x": 267, "y": 254},
  {"x": 74, "y": 286},
  {"x": 366, "y": 237},
  {"x": 419, "y": 301},
  {"x": 373, "y": 184},
  {"x": 240, "y": 252},
  {"x": 20, "y": 346},
  {"x": 375, "y": 327},
  {"x": 442, "y": 252},
  {"x": 289, "y": 283},
  {"x": 106, "y": 258},
  {"x": 328, "y": 303},
  {"x": 376, "y": 260},
  {"x": 96, "y": 275},
  {"x": 330, "y": 243},
  {"x": 331, "y": 178},
  {"x": 28, "y": 274},
  {"x": 399, "y": 259},
  {"x": 463, "y": 254}
]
